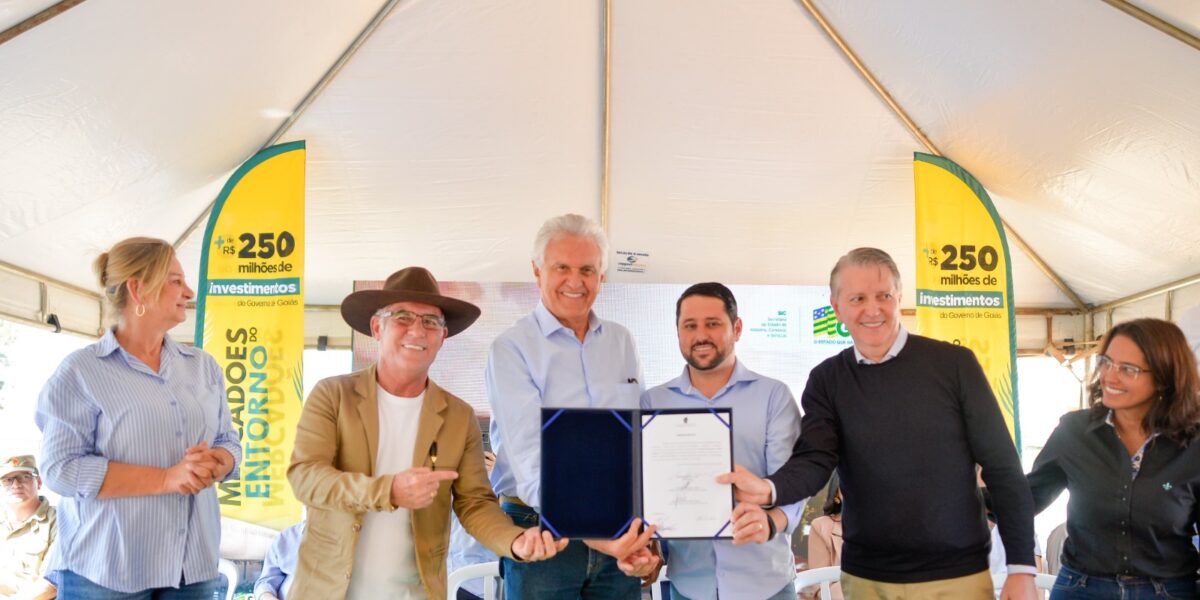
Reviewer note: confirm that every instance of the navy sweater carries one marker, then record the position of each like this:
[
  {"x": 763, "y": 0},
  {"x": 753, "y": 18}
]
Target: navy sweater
[{"x": 905, "y": 435}]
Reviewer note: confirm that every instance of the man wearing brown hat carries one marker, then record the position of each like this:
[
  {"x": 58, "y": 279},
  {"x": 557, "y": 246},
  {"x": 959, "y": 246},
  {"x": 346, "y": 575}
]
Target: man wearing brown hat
[
  {"x": 383, "y": 454},
  {"x": 28, "y": 526}
]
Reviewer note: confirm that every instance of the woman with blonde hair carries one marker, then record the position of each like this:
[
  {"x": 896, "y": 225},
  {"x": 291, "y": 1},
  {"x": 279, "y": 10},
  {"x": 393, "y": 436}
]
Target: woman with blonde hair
[
  {"x": 1132, "y": 466},
  {"x": 136, "y": 430}
]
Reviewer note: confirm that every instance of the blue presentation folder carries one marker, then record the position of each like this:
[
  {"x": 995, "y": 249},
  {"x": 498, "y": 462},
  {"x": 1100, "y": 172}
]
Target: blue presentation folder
[{"x": 591, "y": 483}]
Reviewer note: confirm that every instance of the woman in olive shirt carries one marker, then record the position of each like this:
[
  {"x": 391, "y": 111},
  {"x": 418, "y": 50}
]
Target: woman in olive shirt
[{"x": 1132, "y": 468}]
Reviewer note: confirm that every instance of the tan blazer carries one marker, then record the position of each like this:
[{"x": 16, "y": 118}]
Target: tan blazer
[{"x": 332, "y": 473}]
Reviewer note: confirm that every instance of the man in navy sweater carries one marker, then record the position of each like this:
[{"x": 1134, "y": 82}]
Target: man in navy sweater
[{"x": 904, "y": 419}]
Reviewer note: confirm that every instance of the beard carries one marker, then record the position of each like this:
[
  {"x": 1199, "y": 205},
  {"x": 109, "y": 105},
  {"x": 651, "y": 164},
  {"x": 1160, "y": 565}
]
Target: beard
[{"x": 717, "y": 358}]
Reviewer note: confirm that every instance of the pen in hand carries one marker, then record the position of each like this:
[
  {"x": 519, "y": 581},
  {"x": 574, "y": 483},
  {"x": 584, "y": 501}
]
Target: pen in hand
[{"x": 433, "y": 456}]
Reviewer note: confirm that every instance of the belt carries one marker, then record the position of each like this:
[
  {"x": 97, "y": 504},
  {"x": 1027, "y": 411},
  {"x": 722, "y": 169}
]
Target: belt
[{"x": 513, "y": 500}]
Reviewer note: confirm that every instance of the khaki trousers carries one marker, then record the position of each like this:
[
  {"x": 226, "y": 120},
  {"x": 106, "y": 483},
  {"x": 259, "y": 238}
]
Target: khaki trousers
[{"x": 971, "y": 587}]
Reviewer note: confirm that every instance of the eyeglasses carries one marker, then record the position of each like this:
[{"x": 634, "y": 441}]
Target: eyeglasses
[
  {"x": 1126, "y": 370},
  {"x": 409, "y": 318},
  {"x": 15, "y": 479}
]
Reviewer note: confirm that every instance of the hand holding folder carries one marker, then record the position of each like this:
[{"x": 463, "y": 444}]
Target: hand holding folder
[{"x": 604, "y": 472}]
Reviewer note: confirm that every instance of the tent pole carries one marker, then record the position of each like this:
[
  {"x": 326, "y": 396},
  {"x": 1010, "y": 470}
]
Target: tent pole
[
  {"x": 1162, "y": 289},
  {"x": 607, "y": 142},
  {"x": 925, "y": 141},
  {"x": 37, "y": 19},
  {"x": 307, "y": 101},
  {"x": 1155, "y": 22},
  {"x": 39, "y": 278}
]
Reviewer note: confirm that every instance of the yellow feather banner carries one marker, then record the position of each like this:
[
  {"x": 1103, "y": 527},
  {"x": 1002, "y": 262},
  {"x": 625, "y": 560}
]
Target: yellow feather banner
[
  {"x": 964, "y": 275},
  {"x": 250, "y": 317}
]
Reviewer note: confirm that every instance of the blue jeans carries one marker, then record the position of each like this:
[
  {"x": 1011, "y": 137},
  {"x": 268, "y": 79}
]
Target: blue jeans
[
  {"x": 1074, "y": 585},
  {"x": 575, "y": 572},
  {"x": 787, "y": 593},
  {"x": 76, "y": 587}
]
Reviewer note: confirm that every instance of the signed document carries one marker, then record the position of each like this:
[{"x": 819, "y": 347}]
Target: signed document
[{"x": 682, "y": 453}]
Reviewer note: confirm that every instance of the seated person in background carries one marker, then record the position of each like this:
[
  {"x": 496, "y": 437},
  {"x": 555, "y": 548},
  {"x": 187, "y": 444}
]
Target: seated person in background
[
  {"x": 466, "y": 550},
  {"x": 825, "y": 541},
  {"x": 28, "y": 527},
  {"x": 997, "y": 559},
  {"x": 279, "y": 565},
  {"x": 1054, "y": 548}
]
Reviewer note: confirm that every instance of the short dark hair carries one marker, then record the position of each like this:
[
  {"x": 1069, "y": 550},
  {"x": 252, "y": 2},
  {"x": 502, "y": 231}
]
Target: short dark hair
[
  {"x": 711, "y": 289},
  {"x": 1175, "y": 411}
]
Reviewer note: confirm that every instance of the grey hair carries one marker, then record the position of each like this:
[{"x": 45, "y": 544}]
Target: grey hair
[
  {"x": 574, "y": 225},
  {"x": 864, "y": 257}
]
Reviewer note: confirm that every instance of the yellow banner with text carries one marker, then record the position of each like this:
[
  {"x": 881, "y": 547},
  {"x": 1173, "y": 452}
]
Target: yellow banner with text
[
  {"x": 964, "y": 276},
  {"x": 250, "y": 317}
]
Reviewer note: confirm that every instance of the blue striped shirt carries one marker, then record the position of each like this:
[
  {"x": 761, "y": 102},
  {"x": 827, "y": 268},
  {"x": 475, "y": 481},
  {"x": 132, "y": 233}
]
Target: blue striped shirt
[{"x": 104, "y": 404}]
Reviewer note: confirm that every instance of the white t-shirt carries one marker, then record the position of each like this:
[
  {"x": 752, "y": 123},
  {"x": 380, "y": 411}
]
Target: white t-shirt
[{"x": 385, "y": 561}]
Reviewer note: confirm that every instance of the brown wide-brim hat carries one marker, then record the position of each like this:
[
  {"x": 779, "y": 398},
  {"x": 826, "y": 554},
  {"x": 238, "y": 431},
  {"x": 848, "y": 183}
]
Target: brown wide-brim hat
[{"x": 410, "y": 284}]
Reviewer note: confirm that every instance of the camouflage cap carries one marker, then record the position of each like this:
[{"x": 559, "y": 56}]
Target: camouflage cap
[{"x": 14, "y": 464}]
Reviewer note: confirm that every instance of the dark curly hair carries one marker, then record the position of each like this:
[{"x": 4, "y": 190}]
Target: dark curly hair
[{"x": 1175, "y": 410}]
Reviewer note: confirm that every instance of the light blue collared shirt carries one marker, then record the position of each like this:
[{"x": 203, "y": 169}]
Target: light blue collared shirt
[
  {"x": 766, "y": 424},
  {"x": 539, "y": 363},
  {"x": 465, "y": 551},
  {"x": 103, "y": 404},
  {"x": 892, "y": 352},
  {"x": 279, "y": 567}
]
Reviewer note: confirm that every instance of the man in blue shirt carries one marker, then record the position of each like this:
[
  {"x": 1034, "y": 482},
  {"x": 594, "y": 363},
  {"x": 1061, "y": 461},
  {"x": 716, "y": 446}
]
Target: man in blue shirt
[
  {"x": 280, "y": 565},
  {"x": 561, "y": 355},
  {"x": 766, "y": 423}
]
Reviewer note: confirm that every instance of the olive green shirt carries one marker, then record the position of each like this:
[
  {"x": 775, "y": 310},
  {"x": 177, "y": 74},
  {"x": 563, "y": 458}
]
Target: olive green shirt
[{"x": 24, "y": 548}]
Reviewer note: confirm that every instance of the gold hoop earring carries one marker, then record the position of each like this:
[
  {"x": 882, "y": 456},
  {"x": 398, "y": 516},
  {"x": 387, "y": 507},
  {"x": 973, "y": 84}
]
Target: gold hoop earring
[{"x": 140, "y": 310}]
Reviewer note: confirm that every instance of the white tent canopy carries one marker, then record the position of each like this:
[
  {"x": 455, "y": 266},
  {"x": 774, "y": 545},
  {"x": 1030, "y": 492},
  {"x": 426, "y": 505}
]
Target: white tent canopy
[{"x": 730, "y": 141}]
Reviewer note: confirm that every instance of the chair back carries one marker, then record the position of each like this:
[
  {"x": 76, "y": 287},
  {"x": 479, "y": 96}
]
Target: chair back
[
  {"x": 230, "y": 571},
  {"x": 823, "y": 576},
  {"x": 489, "y": 571},
  {"x": 1044, "y": 581}
]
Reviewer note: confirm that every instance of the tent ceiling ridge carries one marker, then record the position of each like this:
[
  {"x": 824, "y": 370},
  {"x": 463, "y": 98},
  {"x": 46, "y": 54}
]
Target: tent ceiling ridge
[
  {"x": 1154, "y": 21},
  {"x": 38, "y": 277},
  {"x": 305, "y": 102},
  {"x": 916, "y": 132},
  {"x": 606, "y": 141},
  {"x": 41, "y": 17},
  {"x": 1150, "y": 293}
]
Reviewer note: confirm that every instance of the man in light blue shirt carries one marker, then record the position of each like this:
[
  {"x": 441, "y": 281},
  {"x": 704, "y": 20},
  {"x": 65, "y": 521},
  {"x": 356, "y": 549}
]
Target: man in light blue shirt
[
  {"x": 561, "y": 355},
  {"x": 280, "y": 565},
  {"x": 758, "y": 562},
  {"x": 465, "y": 550}
]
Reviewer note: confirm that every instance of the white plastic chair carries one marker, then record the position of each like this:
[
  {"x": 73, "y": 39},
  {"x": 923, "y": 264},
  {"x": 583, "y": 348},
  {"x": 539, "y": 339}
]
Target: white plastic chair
[
  {"x": 230, "y": 571},
  {"x": 489, "y": 571},
  {"x": 1044, "y": 581},
  {"x": 823, "y": 576}
]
